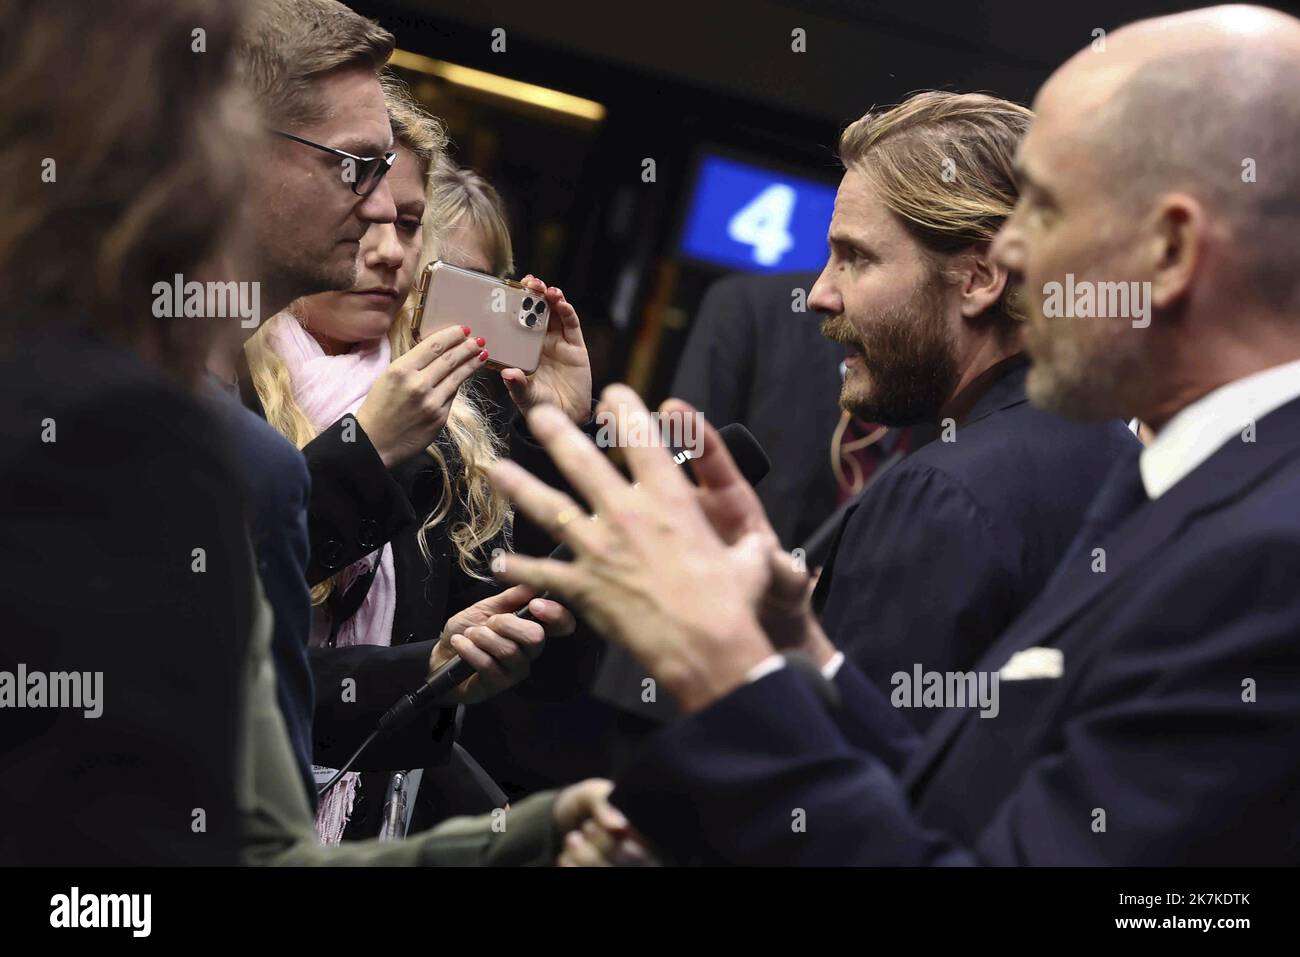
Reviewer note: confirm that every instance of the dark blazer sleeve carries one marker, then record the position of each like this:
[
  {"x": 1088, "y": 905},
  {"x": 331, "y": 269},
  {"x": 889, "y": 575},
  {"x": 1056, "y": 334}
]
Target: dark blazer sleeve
[
  {"x": 100, "y": 572},
  {"x": 1160, "y": 737},
  {"x": 356, "y": 505},
  {"x": 887, "y": 617},
  {"x": 765, "y": 776},
  {"x": 869, "y": 722}
]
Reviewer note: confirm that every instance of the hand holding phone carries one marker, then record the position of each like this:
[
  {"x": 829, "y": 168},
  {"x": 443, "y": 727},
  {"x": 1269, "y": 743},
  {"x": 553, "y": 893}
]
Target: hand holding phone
[
  {"x": 563, "y": 375},
  {"x": 511, "y": 318},
  {"x": 408, "y": 405}
]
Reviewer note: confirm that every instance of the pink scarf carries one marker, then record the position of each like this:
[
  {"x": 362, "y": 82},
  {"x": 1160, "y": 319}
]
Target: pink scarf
[{"x": 326, "y": 388}]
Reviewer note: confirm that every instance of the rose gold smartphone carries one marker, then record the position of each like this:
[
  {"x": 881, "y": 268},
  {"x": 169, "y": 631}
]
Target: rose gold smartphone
[{"x": 509, "y": 316}]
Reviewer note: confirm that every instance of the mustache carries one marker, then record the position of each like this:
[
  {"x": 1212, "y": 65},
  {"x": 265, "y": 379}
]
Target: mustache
[{"x": 839, "y": 329}]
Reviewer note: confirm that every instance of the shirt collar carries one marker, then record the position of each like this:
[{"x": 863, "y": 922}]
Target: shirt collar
[
  {"x": 968, "y": 403},
  {"x": 1203, "y": 427}
]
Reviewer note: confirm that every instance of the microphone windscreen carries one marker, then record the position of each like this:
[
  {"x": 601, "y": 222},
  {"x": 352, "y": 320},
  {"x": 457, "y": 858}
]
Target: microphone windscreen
[{"x": 744, "y": 448}]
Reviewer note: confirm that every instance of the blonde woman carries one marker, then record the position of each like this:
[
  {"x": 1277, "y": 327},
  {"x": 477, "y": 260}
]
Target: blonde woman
[
  {"x": 395, "y": 435},
  {"x": 472, "y": 233}
]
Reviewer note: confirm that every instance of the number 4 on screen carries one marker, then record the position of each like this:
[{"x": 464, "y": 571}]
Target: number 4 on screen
[{"x": 763, "y": 223}]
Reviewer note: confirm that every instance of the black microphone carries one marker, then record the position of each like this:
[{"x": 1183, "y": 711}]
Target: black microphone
[{"x": 752, "y": 462}]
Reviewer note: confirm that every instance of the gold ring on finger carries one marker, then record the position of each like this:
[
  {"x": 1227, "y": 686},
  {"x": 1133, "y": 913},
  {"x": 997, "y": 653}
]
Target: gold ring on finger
[{"x": 567, "y": 515}]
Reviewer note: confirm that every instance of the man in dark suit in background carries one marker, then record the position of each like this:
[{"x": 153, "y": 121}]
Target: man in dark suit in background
[
  {"x": 1147, "y": 711},
  {"x": 753, "y": 358}
]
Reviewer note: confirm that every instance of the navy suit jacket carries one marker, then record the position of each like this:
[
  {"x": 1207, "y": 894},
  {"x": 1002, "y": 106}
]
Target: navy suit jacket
[
  {"x": 1170, "y": 737},
  {"x": 751, "y": 359},
  {"x": 947, "y": 548},
  {"x": 278, "y": 488}
]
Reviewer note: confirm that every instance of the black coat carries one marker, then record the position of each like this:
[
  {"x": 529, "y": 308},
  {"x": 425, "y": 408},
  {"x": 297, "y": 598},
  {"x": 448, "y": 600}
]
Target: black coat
[
  {"x": 428, "y": 593},
  {"x": 752, "y": 359},
  {"x": 98, "y": 573}
]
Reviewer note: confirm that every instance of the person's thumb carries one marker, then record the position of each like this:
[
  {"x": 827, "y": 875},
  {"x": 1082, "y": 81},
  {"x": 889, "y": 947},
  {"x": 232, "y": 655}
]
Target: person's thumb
[
  {"x": 509, "y": 600},
  {"x": 520, "y": 389}
]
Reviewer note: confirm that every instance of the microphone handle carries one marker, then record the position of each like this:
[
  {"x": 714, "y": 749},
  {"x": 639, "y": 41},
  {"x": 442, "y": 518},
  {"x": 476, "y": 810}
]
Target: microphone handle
[{"x": 447, "y": 678}]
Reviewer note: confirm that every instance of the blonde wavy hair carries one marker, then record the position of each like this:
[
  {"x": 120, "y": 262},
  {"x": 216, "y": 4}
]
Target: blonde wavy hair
[
  {"x": 461, "y": 199},
  {"x": 467, "y": 447},
  {"x": 943, "y": 164}
]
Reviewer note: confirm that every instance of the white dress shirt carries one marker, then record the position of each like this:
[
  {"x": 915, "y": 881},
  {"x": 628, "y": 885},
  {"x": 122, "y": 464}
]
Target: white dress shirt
[
  {"x": 775, "y": 663},
  {"x": 1213, "y": 420}
]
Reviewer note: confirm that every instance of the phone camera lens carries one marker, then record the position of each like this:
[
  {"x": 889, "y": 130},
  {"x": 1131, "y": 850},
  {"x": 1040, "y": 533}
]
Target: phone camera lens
[
  {"x": 528, "y": 302},
  {"x": 539, "y": 307}
]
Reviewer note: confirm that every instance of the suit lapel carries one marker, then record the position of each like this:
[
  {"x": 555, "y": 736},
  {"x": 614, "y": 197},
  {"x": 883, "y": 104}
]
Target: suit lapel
[
  {"x": 823, "y": 587},
  {"x": 1227, "y": 475},
  {"x": 1004, "y": 389}
]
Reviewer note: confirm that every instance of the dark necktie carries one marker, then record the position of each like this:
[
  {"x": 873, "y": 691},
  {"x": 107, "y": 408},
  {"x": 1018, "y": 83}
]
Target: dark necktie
[{"x": 1121, "y": 494}]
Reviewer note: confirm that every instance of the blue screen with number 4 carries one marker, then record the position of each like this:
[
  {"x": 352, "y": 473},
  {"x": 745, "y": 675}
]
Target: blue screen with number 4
[{"x": 747, "y": 217}]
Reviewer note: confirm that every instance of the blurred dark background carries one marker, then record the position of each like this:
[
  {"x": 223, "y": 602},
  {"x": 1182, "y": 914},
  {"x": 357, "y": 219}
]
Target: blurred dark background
[{"x": 678, "y": 81}]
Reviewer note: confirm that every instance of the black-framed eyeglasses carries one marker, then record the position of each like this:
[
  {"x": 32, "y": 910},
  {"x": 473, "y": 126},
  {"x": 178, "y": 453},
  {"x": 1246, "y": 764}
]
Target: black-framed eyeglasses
[{"x": 364, "y": 173}]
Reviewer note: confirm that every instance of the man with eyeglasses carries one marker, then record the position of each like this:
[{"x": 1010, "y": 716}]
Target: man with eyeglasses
[
  {"x": 313, "y": 194},
  {"x": 313, "y": 68},
  {"x": 363, "y": 172}
]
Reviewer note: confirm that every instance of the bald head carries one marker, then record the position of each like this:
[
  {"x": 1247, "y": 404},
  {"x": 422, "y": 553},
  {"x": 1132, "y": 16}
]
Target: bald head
[
  {"x": 1164, "y": 160},
  {"x": 1206, "y": 103},
  {"x": 1093, "y": 76}
]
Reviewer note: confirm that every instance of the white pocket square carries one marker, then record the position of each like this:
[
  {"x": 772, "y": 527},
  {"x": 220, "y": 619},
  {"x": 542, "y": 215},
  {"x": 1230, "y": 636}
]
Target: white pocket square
[{"x": 1033, "y": 663}]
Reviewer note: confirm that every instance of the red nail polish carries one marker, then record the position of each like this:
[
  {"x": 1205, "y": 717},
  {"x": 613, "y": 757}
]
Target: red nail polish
[
  {"x": 482, "y": 356},
  {"x": 481, "y": 341},
  {"x": 465, "y": 329}
]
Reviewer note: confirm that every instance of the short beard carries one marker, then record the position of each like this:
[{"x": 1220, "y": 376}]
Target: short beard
[
  {"x": 908, "y": 358},
  {"x": 1090, "y": 378},
  {"x": 292, "y": 283}
]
